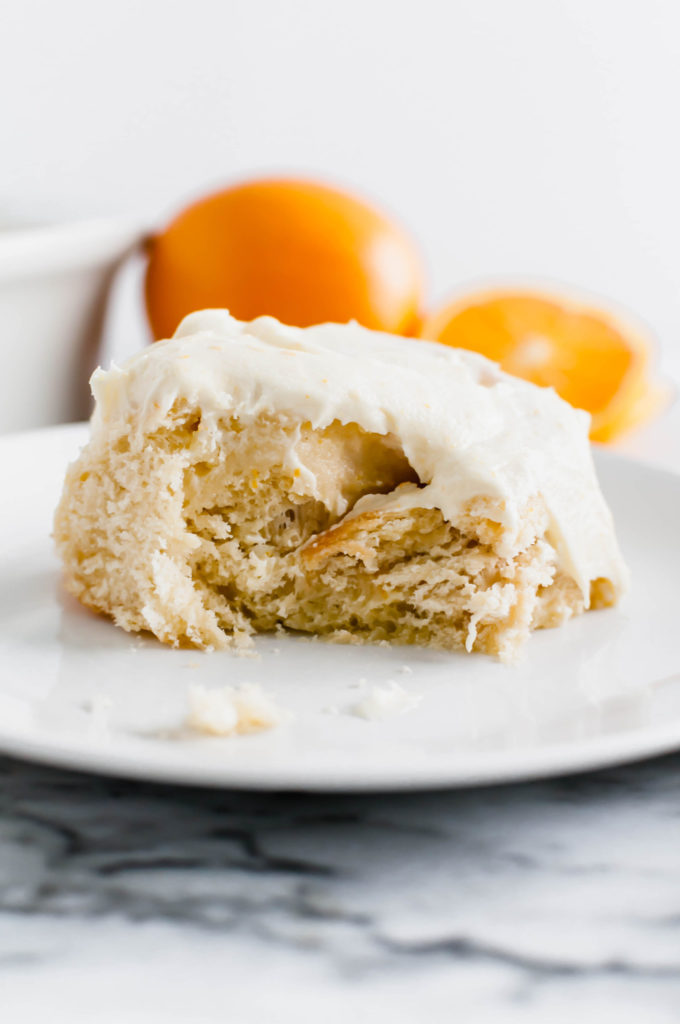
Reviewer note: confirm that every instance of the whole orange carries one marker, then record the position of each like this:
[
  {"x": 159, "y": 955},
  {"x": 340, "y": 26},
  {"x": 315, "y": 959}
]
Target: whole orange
[{"x": 297, "y": 250}]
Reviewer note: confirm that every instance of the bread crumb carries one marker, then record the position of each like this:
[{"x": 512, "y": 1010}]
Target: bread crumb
[
  {"x": 386, "y": 702},
  {"x": 230, "y": 710}
]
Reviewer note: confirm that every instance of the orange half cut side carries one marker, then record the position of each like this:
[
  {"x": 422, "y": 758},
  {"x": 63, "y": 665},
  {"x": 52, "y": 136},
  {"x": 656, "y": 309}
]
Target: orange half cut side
[{"x": 590, "y": 359}]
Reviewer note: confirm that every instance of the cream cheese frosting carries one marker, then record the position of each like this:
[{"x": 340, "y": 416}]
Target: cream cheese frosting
[{"x": 467, "y": 428}]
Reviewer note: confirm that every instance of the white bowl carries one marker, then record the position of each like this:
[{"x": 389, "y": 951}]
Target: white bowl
[{"x": 54, "y": 282}]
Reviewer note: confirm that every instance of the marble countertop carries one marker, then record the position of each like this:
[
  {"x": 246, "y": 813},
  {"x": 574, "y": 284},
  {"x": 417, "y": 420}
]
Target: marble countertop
[
  {"x": 549, "y": 902},
  {"x": 546, "y": 902}
]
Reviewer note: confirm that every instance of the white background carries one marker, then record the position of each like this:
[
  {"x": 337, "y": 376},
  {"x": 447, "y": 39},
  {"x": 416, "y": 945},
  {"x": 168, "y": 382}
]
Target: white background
[{"x": 514, "y": 137}]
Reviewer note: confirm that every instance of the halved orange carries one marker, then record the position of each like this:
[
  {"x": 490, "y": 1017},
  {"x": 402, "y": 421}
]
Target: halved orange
[{"x": 590, "y": 358}]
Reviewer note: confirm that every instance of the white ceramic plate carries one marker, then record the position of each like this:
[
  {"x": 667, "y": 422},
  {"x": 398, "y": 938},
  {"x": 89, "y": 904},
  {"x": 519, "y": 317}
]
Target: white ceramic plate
[{"x": 78, "y": 692}]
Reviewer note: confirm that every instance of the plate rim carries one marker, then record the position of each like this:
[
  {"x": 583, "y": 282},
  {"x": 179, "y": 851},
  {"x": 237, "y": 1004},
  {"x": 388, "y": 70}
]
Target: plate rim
[{"x": 542, "y": 764}]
